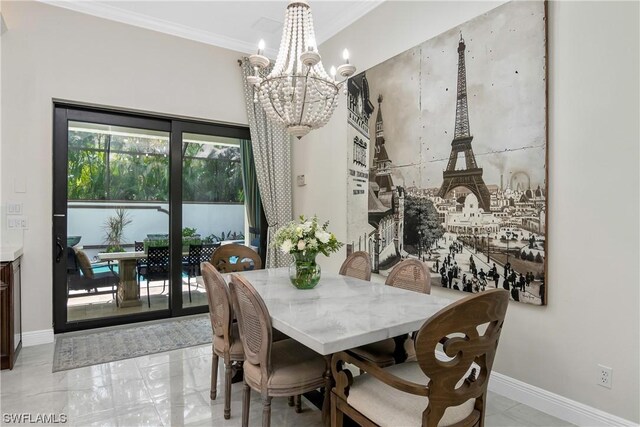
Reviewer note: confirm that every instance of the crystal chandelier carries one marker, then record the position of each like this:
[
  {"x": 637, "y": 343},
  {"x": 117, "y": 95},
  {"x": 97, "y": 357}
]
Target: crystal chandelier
[{"x": 297, "y": 93}]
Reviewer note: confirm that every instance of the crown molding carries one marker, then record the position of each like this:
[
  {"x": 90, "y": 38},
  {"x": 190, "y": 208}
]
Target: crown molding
[
  {"x": 117, "y": 14},
  {"x": 352, "y": 13}
]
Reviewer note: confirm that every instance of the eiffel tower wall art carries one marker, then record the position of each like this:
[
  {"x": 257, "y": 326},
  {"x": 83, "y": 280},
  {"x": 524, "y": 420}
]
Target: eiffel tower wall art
[{"x": 447, "y": 156}]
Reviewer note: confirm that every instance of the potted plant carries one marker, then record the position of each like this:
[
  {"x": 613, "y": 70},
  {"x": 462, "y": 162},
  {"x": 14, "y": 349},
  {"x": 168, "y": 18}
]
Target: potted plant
[
  {"x": 114, "y": 229},
  {"x": 190, "y": 237}
]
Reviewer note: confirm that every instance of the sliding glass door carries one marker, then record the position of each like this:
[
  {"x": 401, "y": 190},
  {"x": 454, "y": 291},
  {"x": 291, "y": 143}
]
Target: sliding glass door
[
  {"x": 139, "y": 202},
  {"x": 212, "y": 204}
]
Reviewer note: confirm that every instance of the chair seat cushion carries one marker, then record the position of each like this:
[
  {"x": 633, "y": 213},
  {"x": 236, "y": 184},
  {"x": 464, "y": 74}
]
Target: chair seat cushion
[
  {"x": 292, "y": 366},
  {"x": 380, "y": 353},
  {"x": 387, "y": 406},
  {"x": 85, "y": 264},
  {"x": 235, "y": 351}
]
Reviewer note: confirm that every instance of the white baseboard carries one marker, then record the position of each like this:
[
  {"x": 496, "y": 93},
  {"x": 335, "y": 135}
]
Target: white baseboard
[
  {"x": 553, "y": 404},
  {"x": 31, "y": 338}
]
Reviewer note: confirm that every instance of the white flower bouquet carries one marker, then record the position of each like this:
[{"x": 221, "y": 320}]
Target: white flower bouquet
[{"x": 306, "y": 237}]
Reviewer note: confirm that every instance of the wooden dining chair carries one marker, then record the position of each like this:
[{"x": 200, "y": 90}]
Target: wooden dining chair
[
  {"x": 234, "y": 257},
  {"x": 413, "y": 275},
  {"x": 446, "y": 386},
  {"x": 275, "y": 369},
  {"x": 357, "y": 265},
  {"x": 226, "y": 339}
]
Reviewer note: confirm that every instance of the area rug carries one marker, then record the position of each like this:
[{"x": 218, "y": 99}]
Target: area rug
[{"x": 77, "y": 351}]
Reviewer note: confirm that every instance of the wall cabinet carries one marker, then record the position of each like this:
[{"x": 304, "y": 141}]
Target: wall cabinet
[{"x": 10, "y": 313}]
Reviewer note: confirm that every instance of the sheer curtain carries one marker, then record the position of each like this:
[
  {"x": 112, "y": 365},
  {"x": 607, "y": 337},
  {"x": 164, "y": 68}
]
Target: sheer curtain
[{"x": 272, "y": 156}]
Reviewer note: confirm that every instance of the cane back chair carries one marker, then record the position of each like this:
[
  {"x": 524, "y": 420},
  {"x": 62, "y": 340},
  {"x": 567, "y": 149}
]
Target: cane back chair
[
  {"x": 226, "y": 339},
  {"x": 275, "y": 369},
  {"x": 357, "y": 265}
]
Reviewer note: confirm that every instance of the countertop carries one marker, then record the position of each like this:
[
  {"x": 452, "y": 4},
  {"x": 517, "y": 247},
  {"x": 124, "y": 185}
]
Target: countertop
[{"x": 10, "y": 253}]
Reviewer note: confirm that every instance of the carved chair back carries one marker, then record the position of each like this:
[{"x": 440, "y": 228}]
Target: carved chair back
[
  {"x": 245, "y": 258},
  {"x": 411, "y": 274},
  {"x": 467, "y": 331},
  {"x": 254, "y": 324},
  {"x": 357, "y": 265}
]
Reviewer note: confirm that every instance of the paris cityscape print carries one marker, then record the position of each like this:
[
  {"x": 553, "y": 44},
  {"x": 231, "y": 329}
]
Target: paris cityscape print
[{"x": 447, "y": 156}]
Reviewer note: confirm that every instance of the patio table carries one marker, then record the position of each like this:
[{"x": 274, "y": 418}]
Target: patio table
[
  {"x": 128, "y": 292},
  {"x": 340, "y": 312}
]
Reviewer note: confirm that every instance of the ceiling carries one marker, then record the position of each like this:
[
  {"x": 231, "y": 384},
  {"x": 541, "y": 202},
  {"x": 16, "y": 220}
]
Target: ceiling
[{"x": 236, "y": 25}]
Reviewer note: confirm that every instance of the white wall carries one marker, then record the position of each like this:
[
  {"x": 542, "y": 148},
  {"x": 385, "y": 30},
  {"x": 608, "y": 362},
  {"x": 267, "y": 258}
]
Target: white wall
[
  {"x": 206, "y": 218},
  {"x": 592, "y": 316},
  {"x": 49, "y": 52}
]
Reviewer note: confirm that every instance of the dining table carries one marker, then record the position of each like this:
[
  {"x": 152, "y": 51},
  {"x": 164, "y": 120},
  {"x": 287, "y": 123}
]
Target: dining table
[{"x": 341, "y": 312}]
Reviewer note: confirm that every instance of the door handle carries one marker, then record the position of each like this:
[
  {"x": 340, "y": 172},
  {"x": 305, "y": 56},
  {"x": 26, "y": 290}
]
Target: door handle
[{"x": 60, "y": 249}]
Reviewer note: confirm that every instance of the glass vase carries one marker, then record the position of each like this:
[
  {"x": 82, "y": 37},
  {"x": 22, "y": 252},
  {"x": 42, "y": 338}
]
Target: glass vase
[{"x": 304, "y": 272}]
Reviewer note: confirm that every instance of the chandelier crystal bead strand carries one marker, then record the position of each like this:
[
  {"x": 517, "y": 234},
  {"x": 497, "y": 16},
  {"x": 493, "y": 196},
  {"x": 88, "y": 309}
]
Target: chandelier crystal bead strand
[{"x": 297, "y": 93}]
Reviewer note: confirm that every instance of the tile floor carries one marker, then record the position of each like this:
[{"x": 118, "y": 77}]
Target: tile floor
[
  {"x": 96, "y": 308},
  {"x": 169, "y": 389}
]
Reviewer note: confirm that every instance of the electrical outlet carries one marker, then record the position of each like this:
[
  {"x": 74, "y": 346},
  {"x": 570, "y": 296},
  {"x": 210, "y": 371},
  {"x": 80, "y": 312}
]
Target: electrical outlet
[
  {"x": 17, "y": 222},
  {"x": 605, "y": 376}
]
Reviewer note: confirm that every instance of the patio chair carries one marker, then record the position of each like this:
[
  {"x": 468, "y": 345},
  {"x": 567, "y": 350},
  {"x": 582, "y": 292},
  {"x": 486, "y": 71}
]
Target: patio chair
[
  {"x": 412, "y": 275},
  {"x": 431, "y": 391},
  {"x": 191, "y": 265},
  {"x": 141, "y": 263},
  {"x": 275, "y": 369},
  {"x": 157, "y": 267},
  {"x": 207, "y": 252},
  {"x": 81, "y": 277},
  {"x": 357, "y": 265},
  {"x": 234, "y": 257}
]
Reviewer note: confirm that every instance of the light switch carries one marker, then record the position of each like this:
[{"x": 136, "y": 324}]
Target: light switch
[
  {"x": 14, "y": 208},
  {"x": 19, "y": 185}
]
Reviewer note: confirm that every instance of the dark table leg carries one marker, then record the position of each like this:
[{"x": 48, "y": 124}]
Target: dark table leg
[
  {"x": 400, "y": 354},
  {"x": 328, "y": 385}
]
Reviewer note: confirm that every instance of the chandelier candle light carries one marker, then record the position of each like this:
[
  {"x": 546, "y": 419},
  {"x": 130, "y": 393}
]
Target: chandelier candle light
[{"x": 298, "y": 93}]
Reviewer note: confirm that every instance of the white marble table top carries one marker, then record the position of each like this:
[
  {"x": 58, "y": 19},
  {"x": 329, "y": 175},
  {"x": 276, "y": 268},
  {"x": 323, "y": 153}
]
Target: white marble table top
[{"x": 341, "y": 312}]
